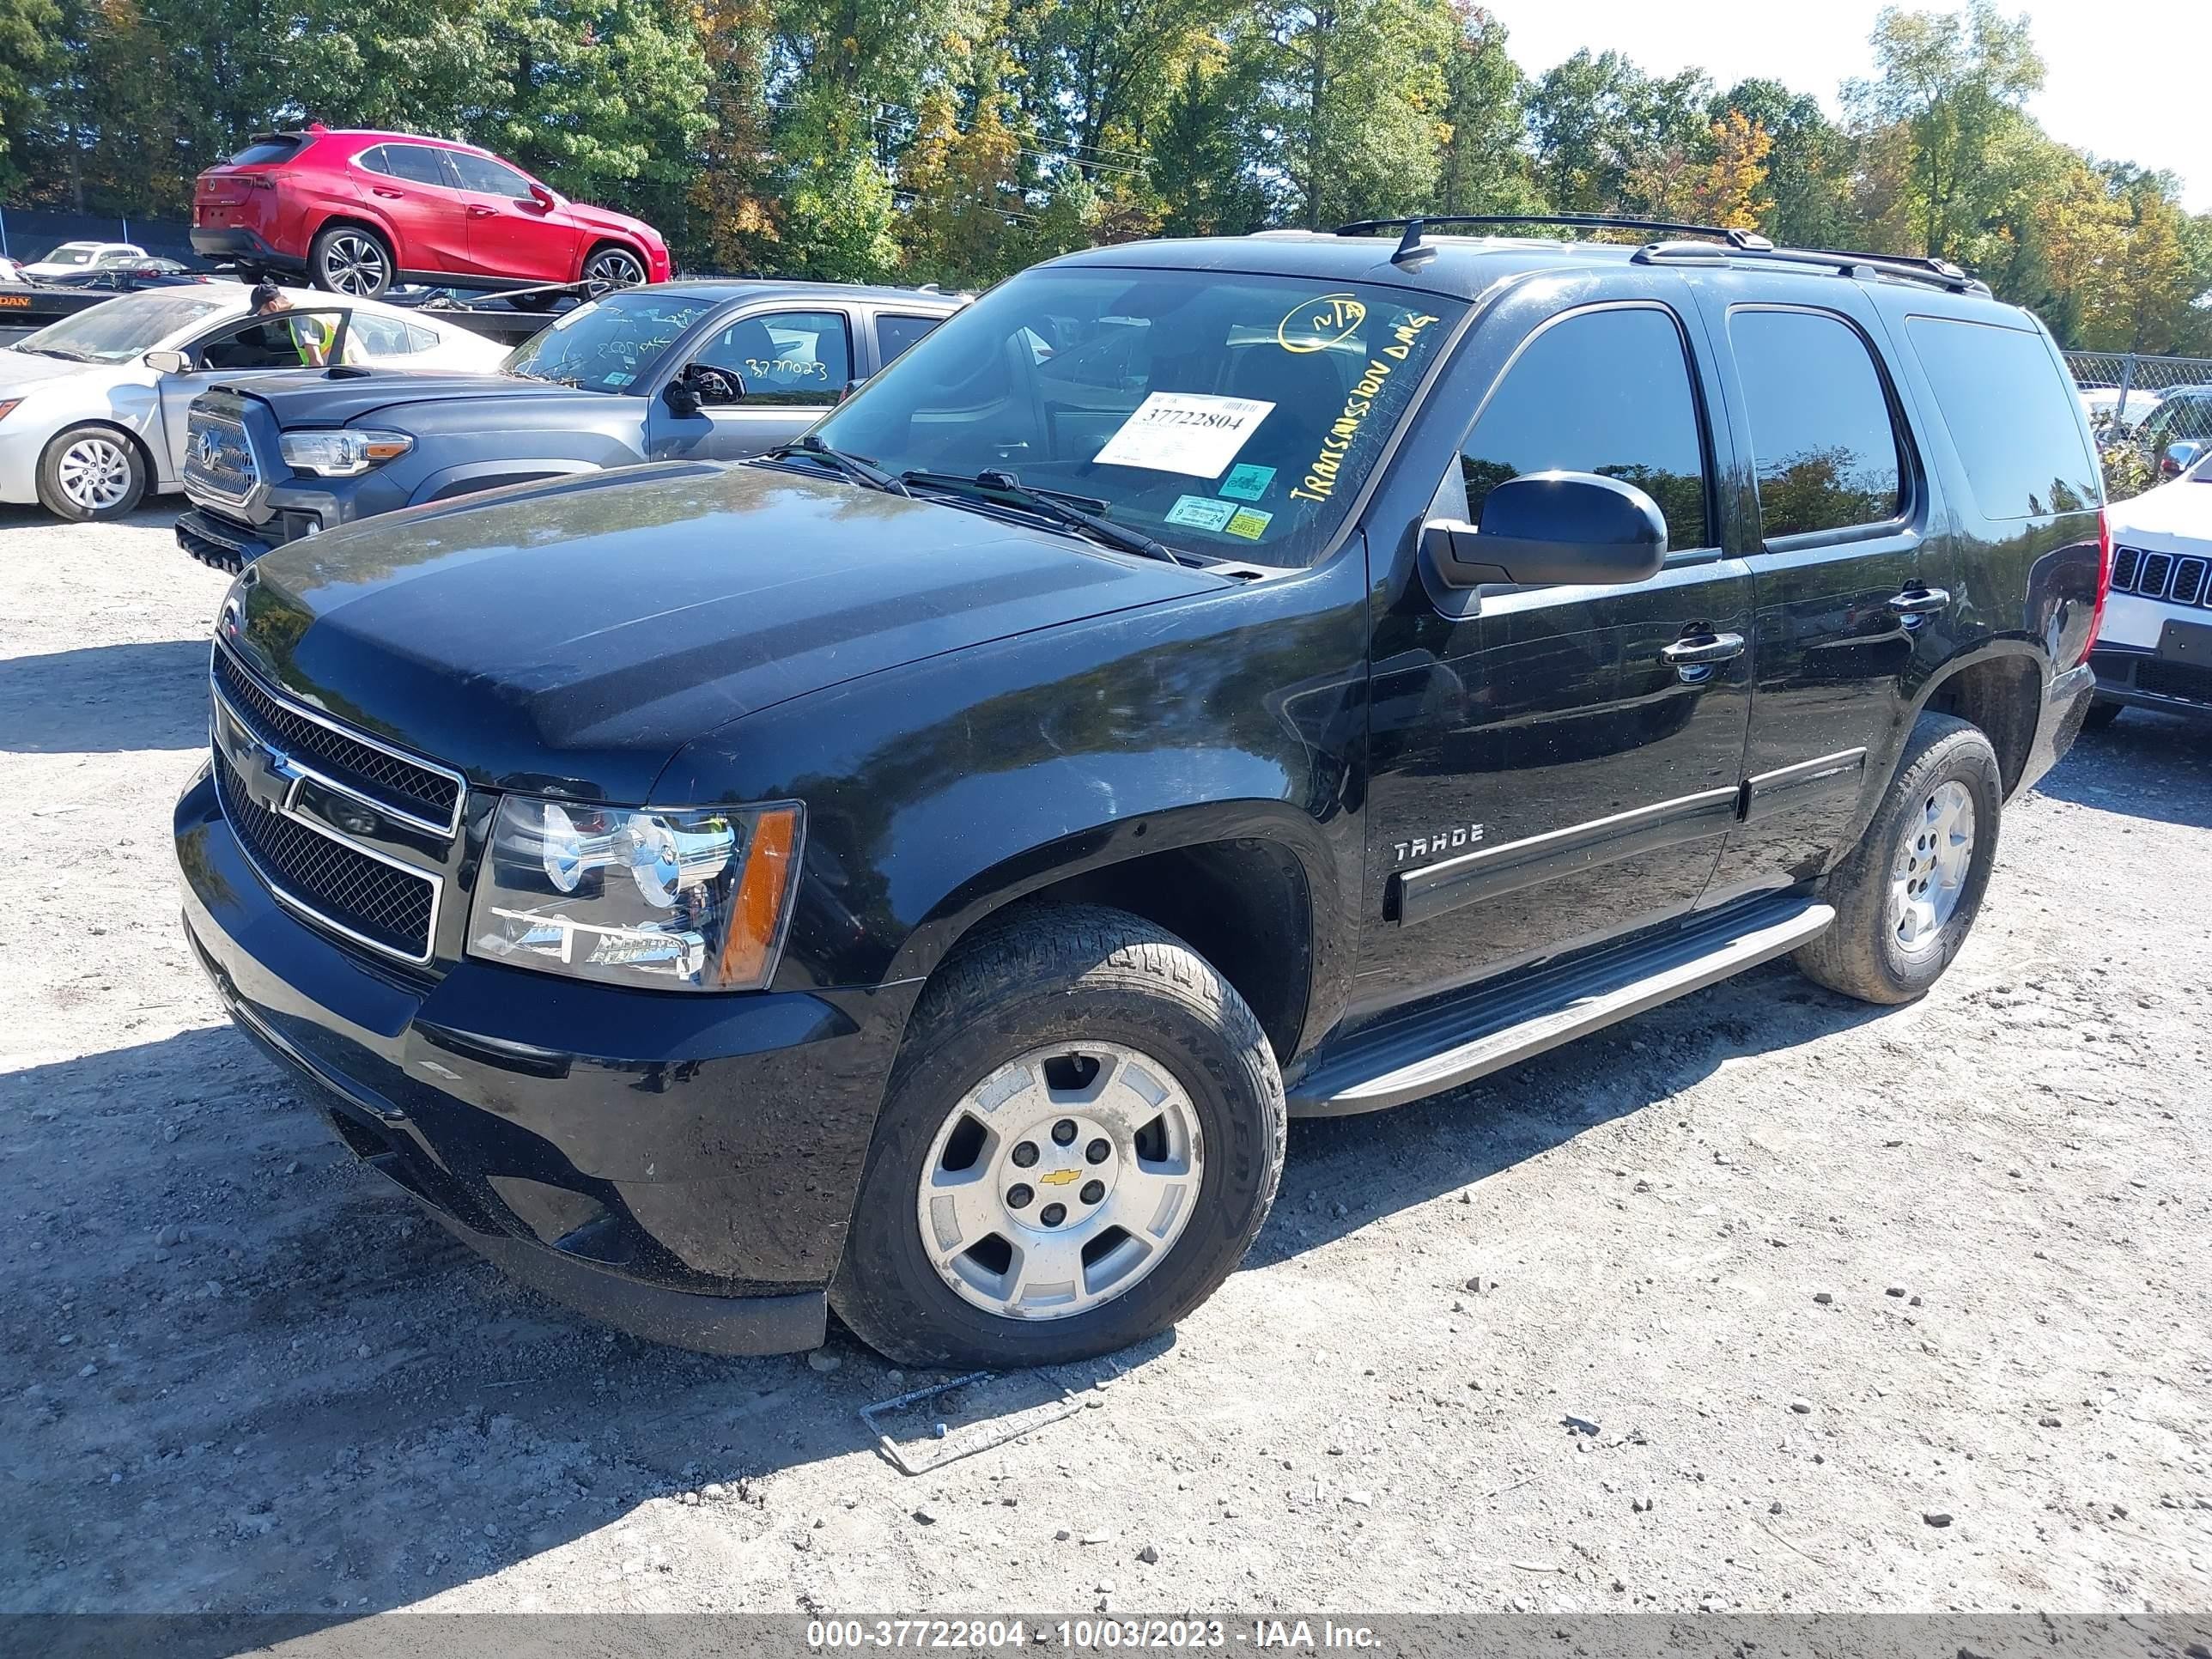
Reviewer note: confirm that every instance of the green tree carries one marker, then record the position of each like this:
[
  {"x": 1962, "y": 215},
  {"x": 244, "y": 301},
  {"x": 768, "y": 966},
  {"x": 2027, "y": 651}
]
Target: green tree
[
  {"x": 1482, "y": 167},
  {"x": 1351, "y": 92},
  {"x": 30, "y": 36},
  {"x": 1809, "y": 170},
  {"x": 1205, "y": 147}
]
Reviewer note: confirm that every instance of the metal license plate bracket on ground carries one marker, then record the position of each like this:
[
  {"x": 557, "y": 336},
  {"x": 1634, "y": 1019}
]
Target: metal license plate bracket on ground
[{"x": 988, "y": 1426}]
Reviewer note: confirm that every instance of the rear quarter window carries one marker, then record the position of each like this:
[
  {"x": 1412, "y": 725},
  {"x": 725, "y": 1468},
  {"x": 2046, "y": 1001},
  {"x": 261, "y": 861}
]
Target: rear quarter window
[
  {"x": 266, "y": 152},
  {"x": 2010, "y": 415}
]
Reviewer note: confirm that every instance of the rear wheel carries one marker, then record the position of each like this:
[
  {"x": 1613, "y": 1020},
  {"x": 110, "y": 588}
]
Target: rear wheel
[
  {"x": 617, "y": 266},
  {"x": 349, "y": 259},
  {"x": 1908, "y": 894},
  {"x": 91, "y": 472},
  {"x": 1082, "y": 1135}
]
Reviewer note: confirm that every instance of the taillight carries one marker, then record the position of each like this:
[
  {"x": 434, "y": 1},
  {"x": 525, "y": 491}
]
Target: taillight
[{"x": 2104, "y": 580}]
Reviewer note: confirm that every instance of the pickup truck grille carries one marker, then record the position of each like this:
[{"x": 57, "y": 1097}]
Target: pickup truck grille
[
  {"x": 219, "y": 459},
  {"x": 382, "y": 777},
  {"x": 2178, "y": 579},
  {"x": 335, "y": 883}
]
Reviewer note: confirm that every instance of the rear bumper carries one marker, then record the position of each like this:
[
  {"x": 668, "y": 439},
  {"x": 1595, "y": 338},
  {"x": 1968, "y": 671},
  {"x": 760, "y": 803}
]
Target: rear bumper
[
  {"x": 2065, "y": 705},
  {"x": 681, "y": 1167},
  {"x": 235, "y": 245},
  {"x": 2141, "y": 679}
]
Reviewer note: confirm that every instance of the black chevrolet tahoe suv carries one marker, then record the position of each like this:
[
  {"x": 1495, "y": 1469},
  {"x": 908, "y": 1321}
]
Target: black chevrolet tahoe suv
[
  {"x": 701, "y": 370},
  {"x": 1203, "y": 682}
]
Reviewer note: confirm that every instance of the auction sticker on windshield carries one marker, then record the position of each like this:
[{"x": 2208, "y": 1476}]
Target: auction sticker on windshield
[{"x": 1185, "y": 432}]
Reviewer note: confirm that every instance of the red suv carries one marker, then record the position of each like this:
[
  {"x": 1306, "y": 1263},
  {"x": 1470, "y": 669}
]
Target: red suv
[{"x": 356, "y": 212}]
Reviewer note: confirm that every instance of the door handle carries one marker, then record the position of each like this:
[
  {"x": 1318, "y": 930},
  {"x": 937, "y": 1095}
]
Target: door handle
[
  {"x": 478, "y": 210},
  {"x": 1700, "y": 648},
  {"x": 1920, "y": 601},
  {"x": 394, "y": 195}
]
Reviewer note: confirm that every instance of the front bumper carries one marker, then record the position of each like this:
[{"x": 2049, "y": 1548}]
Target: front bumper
[
  {"x": 2143, "y": 679},
  {"x": 680, "y": 1166},
  {"x": 223, "y": 543}
]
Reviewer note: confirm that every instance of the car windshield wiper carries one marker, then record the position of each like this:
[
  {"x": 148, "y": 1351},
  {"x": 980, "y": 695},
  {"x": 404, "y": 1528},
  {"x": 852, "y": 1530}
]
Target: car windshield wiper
[
  {"x": 56, "y": 351},
  {"x": 569, "y": 381},
  {"x": 1079, "y": 512},
  {"x": 858, "y": 471}
]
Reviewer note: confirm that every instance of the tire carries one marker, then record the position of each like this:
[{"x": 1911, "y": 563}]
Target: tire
[
  {"x": 1868, "y": 954},
  {"x": 351, "y": 259},
  {"x": 1018, "y": 1003},
  {"x": 533, "y": 302},
  {"x": 92, "y": 473},
  {"x": 615, "y": 264},
  {"x": 2102, "y": 715}
]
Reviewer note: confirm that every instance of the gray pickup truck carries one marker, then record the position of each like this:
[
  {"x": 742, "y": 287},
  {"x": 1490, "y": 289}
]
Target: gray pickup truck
[{"x": 677, "y": 371}]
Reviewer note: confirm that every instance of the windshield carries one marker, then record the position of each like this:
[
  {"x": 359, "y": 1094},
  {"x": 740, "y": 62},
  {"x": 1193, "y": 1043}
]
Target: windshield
[
  {"x": 72, "y": 253},
  {"x": 610, "y": 345},
  {"x": 116, "y": 331},
  {"x": 1230, "y": 415}
]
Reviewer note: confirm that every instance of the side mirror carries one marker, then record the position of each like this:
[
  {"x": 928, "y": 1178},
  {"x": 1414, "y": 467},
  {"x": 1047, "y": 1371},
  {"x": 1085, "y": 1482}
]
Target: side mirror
[
  {"x": 852, "y": 385},
  {"x": 1548, "y": 528},
  {"x": 2180, "y": 455},
  {"x": 168, "y": 363},
  {"x": 545, "y": 199},
  {"x": 681, "y": 401}
]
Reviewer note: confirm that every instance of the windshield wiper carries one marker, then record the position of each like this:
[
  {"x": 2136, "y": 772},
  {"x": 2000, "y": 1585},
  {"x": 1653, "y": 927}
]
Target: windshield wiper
[
  {"x": 569, "y": 381},
  {"x": 853, "y": 466},
  {"x": 1079, "y": 513},
  {"x": 56, "y": 351}
]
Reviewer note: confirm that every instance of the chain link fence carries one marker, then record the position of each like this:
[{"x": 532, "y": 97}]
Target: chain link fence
[{"x": 2140, "y": 408}]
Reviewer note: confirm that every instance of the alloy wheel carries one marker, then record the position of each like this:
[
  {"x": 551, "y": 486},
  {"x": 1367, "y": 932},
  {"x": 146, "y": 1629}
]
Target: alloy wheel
[
  {"x": 617, "y": 266},
  {"x": 94, "y": 473},
  {"x": 1060, "y": 1181},
  {"x": 1929, "y": 873},
  {"x": 353, "y": 263}
]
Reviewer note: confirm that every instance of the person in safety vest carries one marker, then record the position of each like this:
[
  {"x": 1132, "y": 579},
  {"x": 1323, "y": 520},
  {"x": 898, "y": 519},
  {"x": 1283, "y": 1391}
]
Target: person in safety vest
[{"x": 311, "y": 335}]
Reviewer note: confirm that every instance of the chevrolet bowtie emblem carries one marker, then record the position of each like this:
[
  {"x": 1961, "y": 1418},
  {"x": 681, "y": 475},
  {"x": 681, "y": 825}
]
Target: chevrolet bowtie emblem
[{"x": 1060, "y": 1177}]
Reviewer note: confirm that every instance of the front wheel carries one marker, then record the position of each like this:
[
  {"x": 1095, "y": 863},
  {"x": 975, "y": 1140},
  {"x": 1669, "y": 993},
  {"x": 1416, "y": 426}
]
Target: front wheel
[
  {"x": 1082, "y": 1135},
  {"x": 90, "y": 473},
  {"x": 617, "y": 267},
  {"x": 1907, "y": 894}
]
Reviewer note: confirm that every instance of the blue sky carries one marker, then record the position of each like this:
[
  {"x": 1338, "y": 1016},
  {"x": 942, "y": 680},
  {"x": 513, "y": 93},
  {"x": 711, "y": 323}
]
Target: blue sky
[{"x": 2126, "y": 78}]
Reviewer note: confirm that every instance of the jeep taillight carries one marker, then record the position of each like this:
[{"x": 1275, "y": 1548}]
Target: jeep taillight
[{"x": 2104, "y": 580}]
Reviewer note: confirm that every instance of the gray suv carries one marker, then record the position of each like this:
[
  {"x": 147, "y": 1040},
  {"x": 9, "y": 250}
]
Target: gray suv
[{"x": 678, "y": 371}]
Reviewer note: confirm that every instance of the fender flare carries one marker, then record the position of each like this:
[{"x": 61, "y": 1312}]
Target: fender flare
[{"x": 469, "y": 476}]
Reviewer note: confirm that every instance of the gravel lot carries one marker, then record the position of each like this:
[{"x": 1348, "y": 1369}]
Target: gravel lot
[{"x": 1810, "y": 1276}]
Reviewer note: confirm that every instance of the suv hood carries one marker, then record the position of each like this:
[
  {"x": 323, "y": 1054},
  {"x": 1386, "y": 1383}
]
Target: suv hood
[
  {"x": 314, "y": 397},
  {"x": 574, "y": 635}
]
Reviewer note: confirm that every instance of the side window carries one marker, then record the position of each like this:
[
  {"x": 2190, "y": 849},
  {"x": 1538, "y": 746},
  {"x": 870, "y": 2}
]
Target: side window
[
  {"x": 378, "y": 337},
  {"x": 373, "y": 159},
  {"x": 420, "y": 339},
  {"x": 785, "y": 356},
  {"x": 2010, "y": 415},
  {"x": 416, "y": 163},
  {"x": 486, "y": 176},
  {"x": 1826, "y": 452},
  {"x": 295, "y": 339},
  {"x": 1602, "y": 391},
  {"x": 895, "y": 334}
]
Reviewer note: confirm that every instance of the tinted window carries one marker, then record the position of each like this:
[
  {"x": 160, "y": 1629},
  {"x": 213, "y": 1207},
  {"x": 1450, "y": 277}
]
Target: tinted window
[
  {"x": 1820, "y": 431},
  {"x": 1606, "y": 392},
  {"x": 481, "y": 173},
  {"x": 609, "y": 345},
  {"x": 2009, "y": 414},
  {"x": 262, "y": 152},
  {"x": 894, "y": 334},
  {"x": 413, "y": 162},
  {"x": 785, "y": 356}
]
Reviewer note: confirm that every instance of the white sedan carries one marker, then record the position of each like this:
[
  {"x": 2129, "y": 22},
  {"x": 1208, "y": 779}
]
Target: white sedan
[
  {"x": 71, "y": 258},
  {"x": 2154, "y": 648},
  {"x": 93, "y": 409}
]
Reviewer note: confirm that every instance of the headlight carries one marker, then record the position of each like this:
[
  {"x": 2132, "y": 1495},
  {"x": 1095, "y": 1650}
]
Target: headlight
[
  {"x": 345, "y": 454},
  {"x": 680, "y": 899},
  {"x": 8, "y": 406}
]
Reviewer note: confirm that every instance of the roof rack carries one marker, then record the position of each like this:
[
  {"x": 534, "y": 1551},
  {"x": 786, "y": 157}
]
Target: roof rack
[{"x": 1736, "y": 243}]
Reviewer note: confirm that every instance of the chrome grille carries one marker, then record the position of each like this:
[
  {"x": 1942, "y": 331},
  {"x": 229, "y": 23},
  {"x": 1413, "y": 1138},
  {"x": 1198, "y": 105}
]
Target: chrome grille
[
  {"x": 219, "y": 458},
  {"x": 376, "y": 903},
  {"x": 432, "y": 796}
]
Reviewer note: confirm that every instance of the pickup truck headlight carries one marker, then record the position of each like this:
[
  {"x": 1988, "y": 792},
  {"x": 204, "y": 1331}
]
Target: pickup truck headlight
[
  {"x": 342, "y": 454},
  {"x": 677, "y": 899}
]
